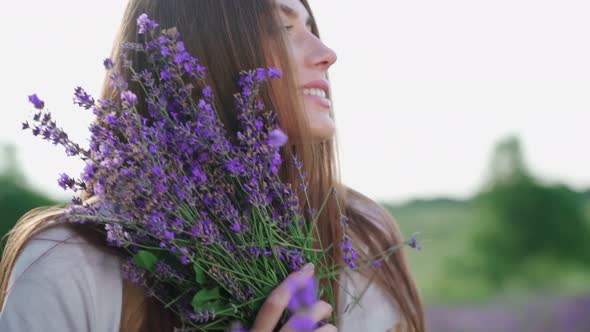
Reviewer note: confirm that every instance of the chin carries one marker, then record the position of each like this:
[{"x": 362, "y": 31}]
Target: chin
[
  {"x": 323, "y": 126},
  {"x": 323, "y": 134}
]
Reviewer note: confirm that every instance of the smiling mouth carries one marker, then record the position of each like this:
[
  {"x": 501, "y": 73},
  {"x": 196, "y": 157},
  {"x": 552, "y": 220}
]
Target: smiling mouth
[{"x": 324, "y": 102}]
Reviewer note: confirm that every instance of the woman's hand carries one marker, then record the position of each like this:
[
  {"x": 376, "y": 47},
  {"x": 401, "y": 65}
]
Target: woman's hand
[{"x": 278, "y": 300}]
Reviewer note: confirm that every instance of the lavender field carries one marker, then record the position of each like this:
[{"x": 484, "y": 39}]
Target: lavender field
[
  {"x": 545, "y": 296},
  {"x": 538, "y": 314}
]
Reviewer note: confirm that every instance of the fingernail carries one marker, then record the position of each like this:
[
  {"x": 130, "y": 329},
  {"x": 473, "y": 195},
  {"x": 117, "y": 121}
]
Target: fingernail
[{"x": 306, "y": 268}]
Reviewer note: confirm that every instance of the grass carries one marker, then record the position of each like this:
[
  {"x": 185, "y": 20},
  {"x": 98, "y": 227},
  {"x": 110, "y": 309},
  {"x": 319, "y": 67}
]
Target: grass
[{"x": 447, "y": 227}]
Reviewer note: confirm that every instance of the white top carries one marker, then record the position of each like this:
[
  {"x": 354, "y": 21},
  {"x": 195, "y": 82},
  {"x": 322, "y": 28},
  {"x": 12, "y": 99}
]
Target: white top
[
  {"x": 69, "y": 286},
  {"x": 74, "y": 286},
  {"x": 374, "y": 311}
]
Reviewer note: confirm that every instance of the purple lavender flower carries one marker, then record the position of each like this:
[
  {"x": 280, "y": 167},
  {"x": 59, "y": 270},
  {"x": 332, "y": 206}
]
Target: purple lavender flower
[
  {"x": 274, "y": 73},
  {"x": 302, "y": 323},
  {"x": 198, "y": 174},
  {"x": 165, "y": 74},
  {"x": 83, "y": 99},
  {"x": 350, "y": 255},
  {"x": 201, "y": 316},
  {"x": 185, "y": 260},
  {"x": 303, "y": 295},
  {"x": 66, "y": 182},
  {"x": 277, "y": 138},
  {"x": 275, "y": 162},
  {"x": 235, "y": 167},
  {"x": 116, "y": 235},
  {"x": 166, "y": 271},
  {"x": 132, "y": 272},
  {"x": 36, "y": 131},
  {"x": 412, "y": 242},
  {"x": 208, "y": 92},
  {"x": 145, "y": 24},
  {"x": 129, "y": 98},
  {"x": 38, "y": 103},
  {"x": 308, "y": 294},
  {"x": 116, "y": 80},
  {"x": 108, "y": 63}
]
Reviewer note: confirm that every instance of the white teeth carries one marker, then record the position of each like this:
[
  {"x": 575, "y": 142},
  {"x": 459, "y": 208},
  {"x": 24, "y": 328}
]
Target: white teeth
[{"x": 315, "y": 92}]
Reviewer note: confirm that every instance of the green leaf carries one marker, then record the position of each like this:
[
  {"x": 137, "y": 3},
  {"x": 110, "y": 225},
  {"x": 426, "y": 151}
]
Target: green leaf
[
  {"x": 200, "y": 276},
  {"x": 215, "y": 305},
  {"x": 205, "y": 295},
  {"x": 145, "y": 259}
]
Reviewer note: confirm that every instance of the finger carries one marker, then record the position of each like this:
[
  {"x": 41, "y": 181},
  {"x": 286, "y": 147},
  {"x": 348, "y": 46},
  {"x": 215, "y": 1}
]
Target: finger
[
  {"x": 299, "y": 323},
  {"x": 269, "y": 314},
  {"x": 327, "y": 328},
  {"x": 307, "y": 320},
  {"x": 320, "y": 310}
]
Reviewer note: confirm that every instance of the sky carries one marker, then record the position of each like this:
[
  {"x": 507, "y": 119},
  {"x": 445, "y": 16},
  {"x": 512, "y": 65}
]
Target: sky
[{"x": 422, "y": 90}]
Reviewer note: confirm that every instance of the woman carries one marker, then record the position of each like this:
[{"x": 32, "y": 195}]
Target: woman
[{"x": 64, "y": 277}]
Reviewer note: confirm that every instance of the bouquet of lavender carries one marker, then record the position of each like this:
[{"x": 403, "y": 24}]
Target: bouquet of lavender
[{"x": 208, "y": 226}]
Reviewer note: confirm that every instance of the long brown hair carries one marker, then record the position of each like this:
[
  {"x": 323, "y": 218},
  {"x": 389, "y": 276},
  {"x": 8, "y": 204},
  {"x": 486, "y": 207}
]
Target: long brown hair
[{"x": 228, "y": 36}]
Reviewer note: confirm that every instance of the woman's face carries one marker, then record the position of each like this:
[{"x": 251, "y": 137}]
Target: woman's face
[{"x": 312, "y": 59}]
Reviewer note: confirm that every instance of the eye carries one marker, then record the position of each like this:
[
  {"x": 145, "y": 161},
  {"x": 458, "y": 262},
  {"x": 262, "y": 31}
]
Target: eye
[{"x": 288, "y": 27}]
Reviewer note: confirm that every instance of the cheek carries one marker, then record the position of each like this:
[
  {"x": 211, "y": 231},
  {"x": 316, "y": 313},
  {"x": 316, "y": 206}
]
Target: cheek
[{"x": 298, "y": 57}]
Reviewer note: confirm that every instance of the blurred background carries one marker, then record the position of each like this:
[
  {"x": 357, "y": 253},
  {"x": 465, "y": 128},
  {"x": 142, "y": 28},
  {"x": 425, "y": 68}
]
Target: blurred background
[{"x": 468, "y": 120}]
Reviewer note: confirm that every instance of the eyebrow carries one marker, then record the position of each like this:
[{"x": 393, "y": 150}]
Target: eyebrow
[{"x": 293, "y": 14}]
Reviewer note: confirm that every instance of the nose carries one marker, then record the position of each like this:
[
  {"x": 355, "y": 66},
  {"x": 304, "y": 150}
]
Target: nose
[{"x": 322, "y": 56}]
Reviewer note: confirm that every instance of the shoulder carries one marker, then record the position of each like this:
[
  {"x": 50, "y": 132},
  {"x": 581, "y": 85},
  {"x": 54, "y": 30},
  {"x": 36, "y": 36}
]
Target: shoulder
[
  {"x": 373, "y": 311},
  {"x": 70, "y": 284},
  {"x": 60, "y": 251}
]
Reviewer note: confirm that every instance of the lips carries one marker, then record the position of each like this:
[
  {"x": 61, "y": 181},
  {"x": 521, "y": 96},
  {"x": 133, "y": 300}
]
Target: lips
[
  {"x": 320, "y": 100},
  {"x": 317, "y": 84}
]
